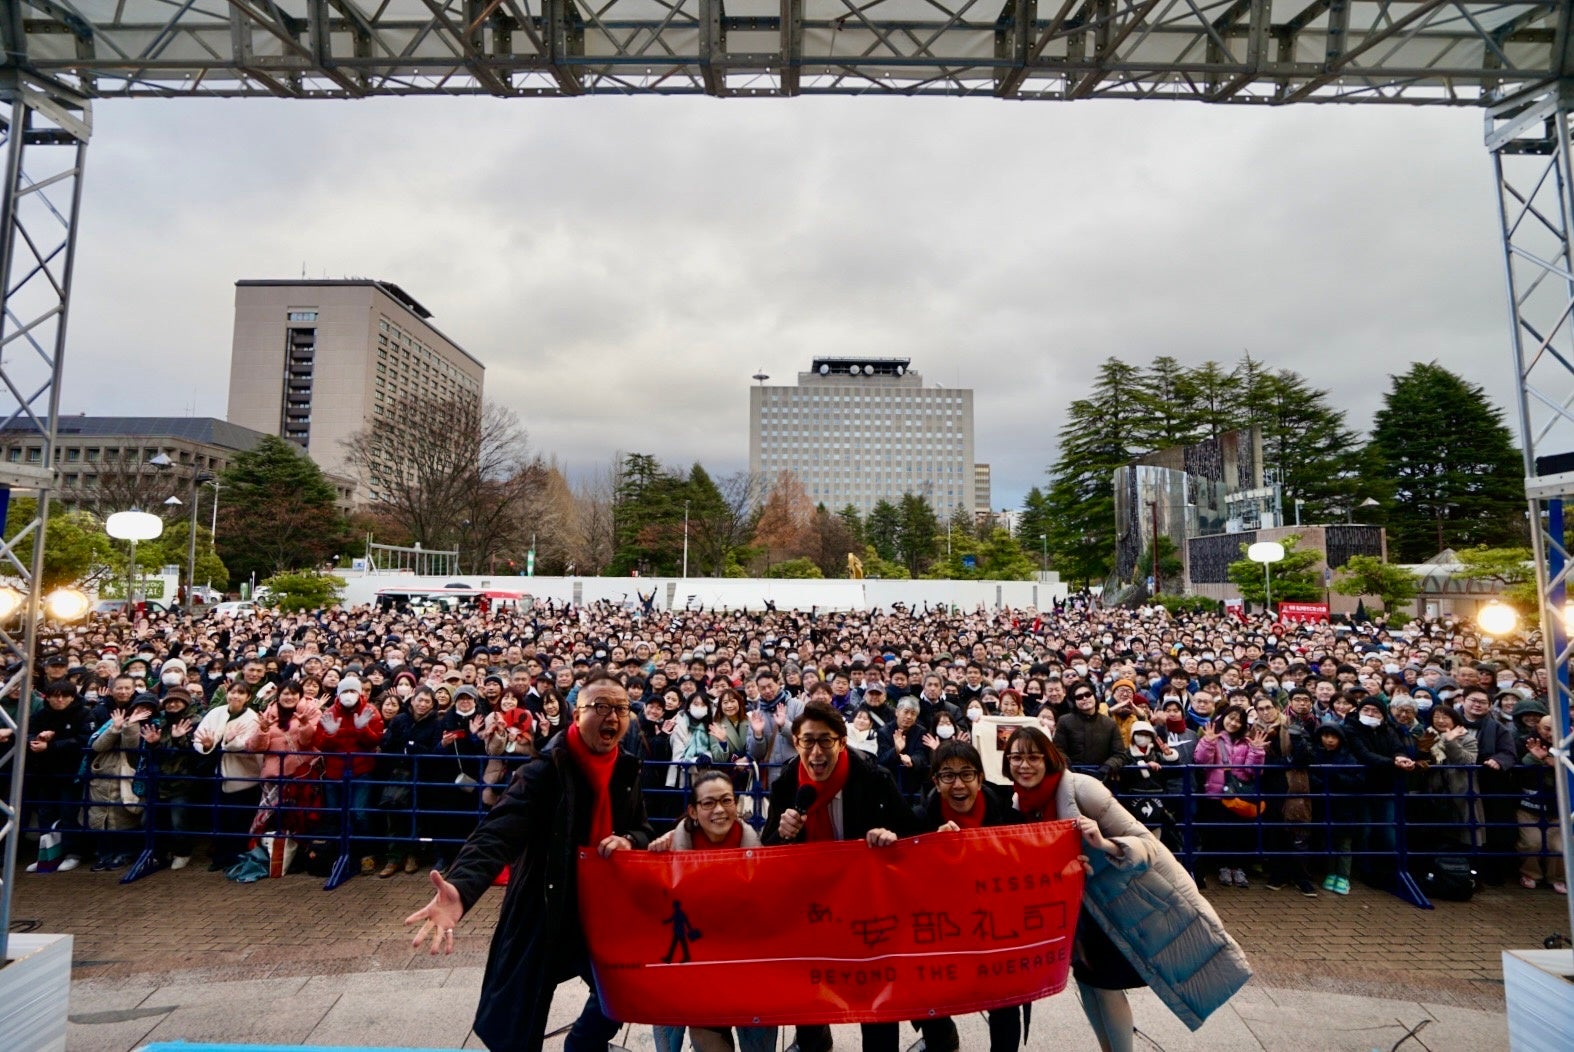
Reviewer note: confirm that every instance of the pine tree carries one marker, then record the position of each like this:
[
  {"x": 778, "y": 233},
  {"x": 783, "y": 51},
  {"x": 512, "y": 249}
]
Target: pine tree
[
  {"x": 915, "y": 537},
  {"x": 882, "y": 528},
  {"x": 279, "y": 512},
  {"x": 1213, "y": 399},
  {"x": 1456, "y": 477},
  {"x": 1168, "y": 417},
  {"x": 1304, "y": 439},
  {"x": 1095, "y": 440}
]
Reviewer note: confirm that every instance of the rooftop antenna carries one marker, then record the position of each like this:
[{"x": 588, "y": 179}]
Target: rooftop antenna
[{"x": 761, "y": 377}]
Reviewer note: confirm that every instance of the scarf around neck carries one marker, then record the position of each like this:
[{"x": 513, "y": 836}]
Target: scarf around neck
[
  {"x": 817, "y": 823},
  {"x": 597, "y": 769},
  {"x": 1039, "y": 801}
]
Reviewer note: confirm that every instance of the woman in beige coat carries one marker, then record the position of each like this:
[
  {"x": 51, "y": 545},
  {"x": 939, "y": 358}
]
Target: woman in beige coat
[{"x": 1144, "y": 921}]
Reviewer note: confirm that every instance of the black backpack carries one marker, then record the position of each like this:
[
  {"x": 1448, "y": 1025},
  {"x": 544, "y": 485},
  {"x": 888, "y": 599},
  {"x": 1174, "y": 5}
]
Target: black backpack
[{"x": 1448, "y": 877}]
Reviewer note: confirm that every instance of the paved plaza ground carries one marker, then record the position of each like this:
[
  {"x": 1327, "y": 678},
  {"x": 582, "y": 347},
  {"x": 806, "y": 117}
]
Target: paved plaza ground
[{"x": 189, "y": 956}]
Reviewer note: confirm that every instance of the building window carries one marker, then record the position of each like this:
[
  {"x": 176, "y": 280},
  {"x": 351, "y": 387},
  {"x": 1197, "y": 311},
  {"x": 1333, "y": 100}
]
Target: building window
[
  {"x": 73, "y": 455},
  {"x": 34, "y": 455},
  {"x": 303, "y": 315}
]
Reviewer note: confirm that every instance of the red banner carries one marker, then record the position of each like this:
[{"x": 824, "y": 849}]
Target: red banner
[
  {"x": 940, "y": 924},
  {"x": 1298, "y": 612}
]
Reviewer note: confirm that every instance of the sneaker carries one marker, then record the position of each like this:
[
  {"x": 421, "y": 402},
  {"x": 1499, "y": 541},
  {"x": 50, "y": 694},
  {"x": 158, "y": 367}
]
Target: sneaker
[
  {"x": 1225, "y": 879},
  {"x": 389, "y": 869},
  {"x": 1341, "y": 885},
  {"x": 1305, "y": 888},
  {"x": 1276, "y": 884},
  {"x": 1528, "y": 883},
  {"x": 32, "y": 867},
  {"x": 180, "y": 862},
  {"x": 368, "y": 866},
  {"x": 101, "y": 864},
  {"x": 1557, "y": 885},
  {"x": 1240, "y": 879},
  {"x": 1329, "y": 881},
  {"x": 69, "y": 863}
]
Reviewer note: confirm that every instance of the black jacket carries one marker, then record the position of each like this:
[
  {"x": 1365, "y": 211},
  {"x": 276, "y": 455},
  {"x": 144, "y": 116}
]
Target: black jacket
[
  {"x": 997, "y": 808},
  {"x": 536, "y": 829},
  {"x": 909, "y": 779},
  {"x": 73, "y": 727},
  {"x": 1090, "y": 741},
  {"x": 869, "y": 801}
]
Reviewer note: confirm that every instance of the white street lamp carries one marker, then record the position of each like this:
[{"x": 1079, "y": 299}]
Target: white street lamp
[
  {"x": 1267, "y": 553},
  {"x": 133, "y": 526}
]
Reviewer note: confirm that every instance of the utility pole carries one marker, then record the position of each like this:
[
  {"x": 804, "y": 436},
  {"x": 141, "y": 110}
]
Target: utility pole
[{"x": 686, "y": 537}]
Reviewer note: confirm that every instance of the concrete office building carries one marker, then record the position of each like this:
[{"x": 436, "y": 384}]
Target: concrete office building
[
  {"x": 103, "y": 463},
  {"x": 981, "y": 493},
  {"x": 316, "y": 361},
  {"x": 861, "y": 430}
]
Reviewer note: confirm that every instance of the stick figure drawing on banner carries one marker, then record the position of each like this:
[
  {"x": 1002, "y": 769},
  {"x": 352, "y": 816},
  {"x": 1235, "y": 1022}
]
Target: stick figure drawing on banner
[{"x": 681, "y": 933}]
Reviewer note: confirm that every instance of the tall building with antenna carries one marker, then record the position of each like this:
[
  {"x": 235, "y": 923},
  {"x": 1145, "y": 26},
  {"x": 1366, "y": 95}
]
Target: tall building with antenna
[{"x": 861, "y": 430}]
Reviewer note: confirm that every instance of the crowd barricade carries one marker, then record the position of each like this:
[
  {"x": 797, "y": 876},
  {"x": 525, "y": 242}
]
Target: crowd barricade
[{"x": 417, "y": 805}]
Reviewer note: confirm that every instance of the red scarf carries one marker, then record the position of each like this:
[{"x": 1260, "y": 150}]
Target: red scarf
[
  {"x": 734, "y": 838},
  {"x": 1039, "y": 802},
  {"x": 597, "y": 769},
  {"x": 973, "y": 819},
  {"x": 817, "y": 823}
]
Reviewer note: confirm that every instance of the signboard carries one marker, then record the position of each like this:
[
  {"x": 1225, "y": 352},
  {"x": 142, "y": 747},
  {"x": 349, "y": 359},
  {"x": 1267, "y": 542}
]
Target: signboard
[
  {"x": 1235, "y": 608},
  {"x": 1295, "y": 612},
  {"x": 990, "y": 735},
  {"x": 847, "y": 933}
]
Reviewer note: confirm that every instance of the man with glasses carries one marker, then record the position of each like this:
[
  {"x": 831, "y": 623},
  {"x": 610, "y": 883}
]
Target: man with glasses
[
  {"x": 828, "y": 792},
  {"x": 581, "y": 790}
]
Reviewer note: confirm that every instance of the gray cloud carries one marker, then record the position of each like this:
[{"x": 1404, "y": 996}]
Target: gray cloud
[{"x": 623, "y": 265}]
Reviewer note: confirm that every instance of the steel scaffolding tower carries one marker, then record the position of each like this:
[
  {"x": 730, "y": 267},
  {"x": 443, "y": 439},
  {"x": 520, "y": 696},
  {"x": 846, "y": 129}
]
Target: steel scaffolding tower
[{"x": 45, "y": 132}]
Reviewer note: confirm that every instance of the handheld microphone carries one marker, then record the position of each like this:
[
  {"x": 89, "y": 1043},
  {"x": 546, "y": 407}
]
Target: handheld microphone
[{"x": 805, "y": 798}]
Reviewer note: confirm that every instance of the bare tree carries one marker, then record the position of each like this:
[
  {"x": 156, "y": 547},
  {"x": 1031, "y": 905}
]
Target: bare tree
[
  {"x": 451, "y": 473},
  {"x": 720, "y": 528},
  {"x": 594, "y": 541}
]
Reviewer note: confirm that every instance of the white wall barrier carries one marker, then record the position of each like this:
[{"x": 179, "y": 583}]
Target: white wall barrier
[{"x": 728, "y": 593}]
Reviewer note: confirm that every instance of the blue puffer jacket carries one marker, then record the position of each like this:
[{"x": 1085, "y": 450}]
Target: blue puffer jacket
[{"x": 1151, "y": 909}]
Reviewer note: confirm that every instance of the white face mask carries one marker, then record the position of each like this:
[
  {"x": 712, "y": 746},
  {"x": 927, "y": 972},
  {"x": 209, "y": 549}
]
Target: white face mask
[
  {"x": 1081, "y": 670},
  {"x": 699, "y": 712},
  {"x": 975, "y": 713},
  {"x": 945, "y": 730},
  {"x": 349, "y": 701},
  {"x": 1370, "y": 721},
  {"x": 1422, "y": 703},
  {"x": 172, "y": 679}
]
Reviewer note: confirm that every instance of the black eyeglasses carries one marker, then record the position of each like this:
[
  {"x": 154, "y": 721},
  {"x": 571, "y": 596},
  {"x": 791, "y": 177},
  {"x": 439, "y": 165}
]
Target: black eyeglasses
[{"x": 1081, "y": 694}]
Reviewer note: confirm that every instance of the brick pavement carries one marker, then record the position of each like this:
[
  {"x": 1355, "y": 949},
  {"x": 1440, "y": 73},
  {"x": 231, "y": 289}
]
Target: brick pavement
[{"x": 170, "y": 925}]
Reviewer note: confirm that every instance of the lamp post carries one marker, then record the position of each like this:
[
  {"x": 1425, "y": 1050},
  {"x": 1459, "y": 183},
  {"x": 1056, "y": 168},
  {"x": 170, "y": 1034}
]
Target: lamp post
[
  {"x": 191, "y": 550},
  {"x": 1267, "y": 553},
  {"x": 133, "y": 526},
  {"x": 685, "y": 538},
  {"x": 1043, "y": 540}
]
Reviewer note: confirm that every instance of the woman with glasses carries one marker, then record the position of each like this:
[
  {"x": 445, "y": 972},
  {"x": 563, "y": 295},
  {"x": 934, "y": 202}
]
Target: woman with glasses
[
  {"x": 1143, "y": 922},
  {"x": 711, "y": 823},
  {"x": 960, "y": 800},
  {"x": 830, "y": 792}
]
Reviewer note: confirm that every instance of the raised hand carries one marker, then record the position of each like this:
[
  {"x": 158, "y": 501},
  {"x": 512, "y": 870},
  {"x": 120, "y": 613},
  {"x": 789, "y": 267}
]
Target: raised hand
[
  {"x": 181, "y": 728},
  {"x": 330, "y": 722},
  {"x": 717, "y": 733},
  {"x": 757, "y": 723},
  {"x": 930, "y": 741},
  {"x": 150, "y": 734},
  {"x": 476, "y": 723}
]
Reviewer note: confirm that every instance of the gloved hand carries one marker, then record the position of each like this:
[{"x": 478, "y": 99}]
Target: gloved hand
[
  {"x": 330, "y": 723},
  {"x": 364, "y": 716}
]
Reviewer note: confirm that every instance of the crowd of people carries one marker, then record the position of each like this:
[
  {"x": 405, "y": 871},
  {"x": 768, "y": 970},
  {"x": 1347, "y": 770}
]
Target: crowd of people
[{"x": 1284, "y": 749}]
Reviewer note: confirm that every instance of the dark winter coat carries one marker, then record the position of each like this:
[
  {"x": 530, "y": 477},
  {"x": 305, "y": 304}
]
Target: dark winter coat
[
  {"x": 1375, "y": 748},
  {"x": 73, "y": 727},
  {"x": 537, "y": 829},
  {"x": 870, "y": 800},
  {"x": 1090, "y": 740}
]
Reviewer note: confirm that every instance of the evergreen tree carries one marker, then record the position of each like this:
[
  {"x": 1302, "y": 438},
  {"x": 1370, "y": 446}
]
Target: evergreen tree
[
  {"x": 882, "y": 529},
  {"x": 1213, "y": 399},
  {"x": 1169, "y": 419},
  {"x": 647, "y": 517},
  {"x": 279, "y": 512},
  {"x": 1304, "y": 438},
  {"x": 915, "y": 537},
  {"x": 1033, "y": 525},
  {"x": 1095, "y": 440},
  {"x": 1457, "y": 479},
  {"x": 854, "y": 524}
]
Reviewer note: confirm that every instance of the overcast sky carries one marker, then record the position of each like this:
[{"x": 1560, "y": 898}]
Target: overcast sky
[{"x": 623, "y": 265}]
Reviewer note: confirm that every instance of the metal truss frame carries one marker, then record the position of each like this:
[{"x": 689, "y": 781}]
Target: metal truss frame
[
  {"x": 1530, "y": 140},
  {"x": 1413, "y": 52},
  {"x": 45, "y": 132}
]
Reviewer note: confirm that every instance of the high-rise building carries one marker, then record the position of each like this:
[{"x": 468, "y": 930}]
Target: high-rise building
[
  {"x": 860, "y": 430},
  {"x": 981, "y": 493},
  {"x": 316, "y": 361}
]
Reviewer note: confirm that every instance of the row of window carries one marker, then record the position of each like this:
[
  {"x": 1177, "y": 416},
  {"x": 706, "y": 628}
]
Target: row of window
[
  {"x": 883, "y": 396},
  {"x": 96, "y": 454}
]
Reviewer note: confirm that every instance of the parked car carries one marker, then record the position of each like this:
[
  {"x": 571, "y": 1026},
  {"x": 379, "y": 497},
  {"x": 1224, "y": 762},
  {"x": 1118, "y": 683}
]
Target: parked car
[
  {"x": 237, "y": 608},
  {"x": 115, "y": 606}
]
